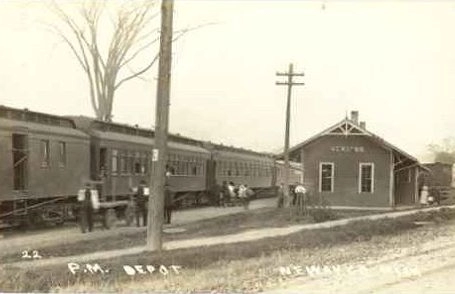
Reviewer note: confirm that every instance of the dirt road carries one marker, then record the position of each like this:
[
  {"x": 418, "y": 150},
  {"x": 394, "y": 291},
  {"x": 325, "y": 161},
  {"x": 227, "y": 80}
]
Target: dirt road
[
  {"x": 65, "y": 235},
  {"x": 197, "y": 242},
  {"x": 426, "y": 268}
]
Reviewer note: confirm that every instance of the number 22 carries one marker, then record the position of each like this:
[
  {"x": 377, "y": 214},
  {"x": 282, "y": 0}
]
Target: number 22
[{"x": 35, "y": 254}]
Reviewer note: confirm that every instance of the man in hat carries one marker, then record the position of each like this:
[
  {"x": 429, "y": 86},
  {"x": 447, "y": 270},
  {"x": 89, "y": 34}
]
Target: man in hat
[
  {"x": 86, "y": 209},
  {"x": 168, "y": 199}
]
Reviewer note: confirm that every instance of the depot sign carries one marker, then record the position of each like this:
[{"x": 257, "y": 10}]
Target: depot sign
[{"x": 357, "y": 149}]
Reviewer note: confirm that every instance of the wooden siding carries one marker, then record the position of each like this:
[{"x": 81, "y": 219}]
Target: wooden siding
[{"x": 346, "y": 170}]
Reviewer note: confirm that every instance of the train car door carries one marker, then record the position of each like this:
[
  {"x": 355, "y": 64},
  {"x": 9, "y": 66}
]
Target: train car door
[
  {"x": 20, "y": 161},
  {"x": 210, "y": 171}
]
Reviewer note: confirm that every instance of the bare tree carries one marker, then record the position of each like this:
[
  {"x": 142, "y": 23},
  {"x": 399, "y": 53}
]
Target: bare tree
[
  {"x": 444, "y": 152},
  {"x": 108, "y": 69}
]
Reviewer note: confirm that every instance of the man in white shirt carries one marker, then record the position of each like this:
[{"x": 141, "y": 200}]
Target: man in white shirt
[{"x": 301, "y": 200}]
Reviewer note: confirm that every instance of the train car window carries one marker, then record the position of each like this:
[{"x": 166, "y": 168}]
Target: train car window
[
  {"x": 247, "y": 169},
  {"x": 194, "y": 169},
  {"x": 131, "y": 163},
  {"x": 45, "y": 156},
  {"x": 185, "y": 166},
  {"x": 181, "y": 170},
  {"x": 137, "y": 167},
  {"x": 181, "y": 166},
  {"x": 103, "y": 162},
  {"x": 237, "y": 168},
  {"x": 62, "y": 154},
  {"x": 114, "y": 167},
  {"x": 142, "y": 163},
  {"x": 127, "y": 162},
  {"x": 175, "y": 165},
  {"x": 145, "y": 163},
  {"x": 229, "y": 169},
  {"x": 202, "y": 163},
  {"x": 219, "y": 168},
  {"x": 137, "y": 163},
  {"x": 123, "y": 167}
]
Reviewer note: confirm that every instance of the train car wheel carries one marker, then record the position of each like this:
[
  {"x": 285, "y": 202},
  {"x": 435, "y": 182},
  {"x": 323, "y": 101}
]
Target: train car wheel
[{"x": 110, "y": 219}]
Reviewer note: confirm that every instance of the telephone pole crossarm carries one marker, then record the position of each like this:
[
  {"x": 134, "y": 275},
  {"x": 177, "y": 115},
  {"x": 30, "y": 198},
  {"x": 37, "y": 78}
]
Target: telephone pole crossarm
[
  {"x": 286, "y": 74},
  {"x": 286, "y": 83}
]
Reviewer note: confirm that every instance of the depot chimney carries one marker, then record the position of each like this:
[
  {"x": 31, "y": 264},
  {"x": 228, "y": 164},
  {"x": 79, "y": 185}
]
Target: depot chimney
[
  {"x": 355, "y": 116},
  {"x": 362, "y": 124}
]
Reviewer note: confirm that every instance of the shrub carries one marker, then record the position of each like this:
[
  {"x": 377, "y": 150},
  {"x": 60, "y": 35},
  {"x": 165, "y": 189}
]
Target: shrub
[
  {"x": 322, "y": 214},
  {"x": 320, "y": 210}
]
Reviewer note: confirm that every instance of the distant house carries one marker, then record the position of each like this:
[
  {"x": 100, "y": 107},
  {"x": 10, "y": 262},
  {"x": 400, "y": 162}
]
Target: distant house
[
  {"x": 350, "y": 166},
  {"x": 440, "y": 174}
]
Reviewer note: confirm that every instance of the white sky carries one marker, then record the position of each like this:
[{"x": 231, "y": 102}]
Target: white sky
[{"x": 392, "y": 61}]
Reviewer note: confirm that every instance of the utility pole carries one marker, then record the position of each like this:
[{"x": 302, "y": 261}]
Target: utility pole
[
  {"x": 290, "y": 74},
  {"x": 159, "y": 156}
]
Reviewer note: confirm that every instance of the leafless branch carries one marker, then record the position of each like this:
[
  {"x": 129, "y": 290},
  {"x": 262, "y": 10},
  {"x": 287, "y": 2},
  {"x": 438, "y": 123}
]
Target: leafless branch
[{"x": 136, "y": 74}]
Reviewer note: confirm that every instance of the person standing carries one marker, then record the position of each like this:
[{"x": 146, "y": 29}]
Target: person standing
[
  {"x": 168, "y": 204},
  {"x": 424, "y": 195},
  {"x": 224, "y": 195},
  {"x": 141, "y": 209},
  {"x": 85, "y": 197},
  {"x": 168, "y": 199},
  {"x": 280, "y": 195},
  {"x": 215, "y": 194},
  {"x": 242, "y": 195},
  {"x": 249, "y": 193},
  {"x": 300, "y": 198}
]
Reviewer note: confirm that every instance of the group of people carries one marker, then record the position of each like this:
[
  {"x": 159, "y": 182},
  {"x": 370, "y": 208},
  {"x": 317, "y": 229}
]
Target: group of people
[
  {"x": 298, "y": 195},
  {"x": 429, "y": 196},
  {"x": 141, "y": 196},
  {"x": 230, "y": 193},
  {"x": 89, "y": 203}
]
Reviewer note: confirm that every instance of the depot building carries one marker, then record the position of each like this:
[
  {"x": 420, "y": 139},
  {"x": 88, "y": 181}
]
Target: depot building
[{"x": 350, "y": 166}]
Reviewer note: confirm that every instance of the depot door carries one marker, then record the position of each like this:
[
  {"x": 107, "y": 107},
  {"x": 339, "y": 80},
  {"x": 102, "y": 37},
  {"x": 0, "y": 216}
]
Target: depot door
[{"x": 20, "y": 161}]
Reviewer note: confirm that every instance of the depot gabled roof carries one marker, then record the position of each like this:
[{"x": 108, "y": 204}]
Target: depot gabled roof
[{"x": 347, "y": 127}]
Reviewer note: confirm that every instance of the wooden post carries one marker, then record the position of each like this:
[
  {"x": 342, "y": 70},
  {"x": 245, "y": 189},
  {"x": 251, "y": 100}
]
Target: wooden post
[
  {"x": 157, "y": 180},
  {"x": 392, "y": 181},
  {"x": 290, "y": 74}
]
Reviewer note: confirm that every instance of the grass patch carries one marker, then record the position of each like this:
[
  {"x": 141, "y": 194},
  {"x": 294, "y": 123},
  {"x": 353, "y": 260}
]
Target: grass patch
[
  {"x": 223, "y": 225},
  {"x": 232, "y": 267}
]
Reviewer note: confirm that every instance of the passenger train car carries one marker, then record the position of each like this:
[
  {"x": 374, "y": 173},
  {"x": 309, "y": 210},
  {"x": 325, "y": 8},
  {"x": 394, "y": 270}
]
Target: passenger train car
[{"x": 45, "y": 160}]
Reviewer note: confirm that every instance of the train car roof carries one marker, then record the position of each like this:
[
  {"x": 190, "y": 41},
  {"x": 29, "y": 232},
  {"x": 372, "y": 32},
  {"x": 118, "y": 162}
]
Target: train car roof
[
  {"x": 88, "y": 124},
  {"x": 230, "y": 155},
  {"x": 113, "y": 136},
  {"x": 34, "y": 127},
  {"x": 224, "y": 148},
  {"x": 33, "y": 116}
]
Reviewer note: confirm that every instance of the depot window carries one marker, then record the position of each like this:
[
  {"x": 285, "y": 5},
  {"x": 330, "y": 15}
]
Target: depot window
[
  {"x": 326, "y": 176},
  {"x": 366, "y": 178},
  {"x": 45, "y": 149}
]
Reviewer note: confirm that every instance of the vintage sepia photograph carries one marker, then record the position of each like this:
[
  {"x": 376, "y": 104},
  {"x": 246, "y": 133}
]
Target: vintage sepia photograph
[{"x": 227, "y": 146}]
